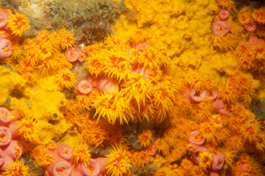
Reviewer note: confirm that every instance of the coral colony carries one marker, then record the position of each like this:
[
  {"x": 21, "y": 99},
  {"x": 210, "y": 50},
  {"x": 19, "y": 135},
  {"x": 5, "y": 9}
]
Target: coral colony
[{"x": 132, "y": 88}]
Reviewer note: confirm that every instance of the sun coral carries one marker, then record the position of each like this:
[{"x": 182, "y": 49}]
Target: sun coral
[
  {"x": 118, "y": 162},
  {"x": 81, "y": 154},
  {"x": 113, "y": 63},
  {"x": 259, "y": 15},
  {"x": 18, "y": 23},
  {"x": 114, "y": 107},
  {"x": 27, "y": 129},
  {"x": 94, "y": 135},
  {"x": 149, "y": 58},
  {"x": 38, "y": 153},
  {"x": 163, "y": 97},
  {"x": 244, "y": 16},
  {"x": 140, "y": 158},
  {"x": 138, "y": 88},
  {"x": 205, "y": 160},
  {"x": 145, "y": 138},
  {"x": 66, "y": 79},
  {"x": 17, "y": 169},
  {"x": 66, "y": 39},
  {"x": 227, "y": 4}
]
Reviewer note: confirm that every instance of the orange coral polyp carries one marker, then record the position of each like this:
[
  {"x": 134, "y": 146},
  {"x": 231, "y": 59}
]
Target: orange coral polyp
[
  {"x": 66, "y": 79},
  {"x": 18, "y": 23},
  {"x": 259, "y": 15},
  {"x": 145, "y": 138}
]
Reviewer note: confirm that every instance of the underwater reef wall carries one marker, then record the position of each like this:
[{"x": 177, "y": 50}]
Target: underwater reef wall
[{"x": 132, "y": 88}]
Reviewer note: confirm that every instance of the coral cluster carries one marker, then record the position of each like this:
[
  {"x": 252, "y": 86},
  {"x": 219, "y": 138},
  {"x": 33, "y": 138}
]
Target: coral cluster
[
  {"x": 176, "y": 88},
  {"x": 10, "y": 147}
]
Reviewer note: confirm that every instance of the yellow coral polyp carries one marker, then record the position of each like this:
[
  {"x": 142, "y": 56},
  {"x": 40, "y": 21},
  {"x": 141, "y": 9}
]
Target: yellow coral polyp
[
  {"x": 113, "y": 63},
  {"x": 18, "y": 23},
  {"x": 145, "y": 138},
  {"x": 94, "y": 136},
  {"x": 27, "y": 129},
  {"x": 17, "y": 169},
  {"x": 205, "y": 160},
  {"x": 227, "y": 4},
  {"x": 65, "y": 39},
  {"x": 149, "y": 58},
  {"x": 259, "y": 15},
  {"x": 81, "y": 154},
  {"x": 118, "y": 162},
  {"x": 140, "y": 159},
  {"x": 114, "y": 107},
  {"x": 244, "y": 16},
  {"x": 66, "y": 79},
  {"x": 138, "y": 88}
]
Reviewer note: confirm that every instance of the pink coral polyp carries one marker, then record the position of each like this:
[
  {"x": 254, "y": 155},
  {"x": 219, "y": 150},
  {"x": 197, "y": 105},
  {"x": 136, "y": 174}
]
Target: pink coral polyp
[
  {"x": 72, "y": 54},
  {"x": 3, "y": 19},
  {"x": 251, "y": 27},
  {"x": 224, "y": 14},
  {"x": 4, "y": 116},
  {"x": 5, "y": 136},
  {"x": 65, "y": 151},
  {"x": 5, "y": 48},
  {"x": 221, "y": 28},
  {"x": 84, "y": 87}
]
